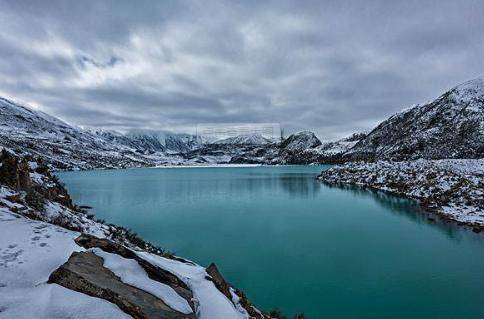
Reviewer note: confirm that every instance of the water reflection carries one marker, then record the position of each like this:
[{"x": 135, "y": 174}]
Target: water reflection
[
  {"x": 409, "y": 209},
  {"x": 299, "y": 185}
]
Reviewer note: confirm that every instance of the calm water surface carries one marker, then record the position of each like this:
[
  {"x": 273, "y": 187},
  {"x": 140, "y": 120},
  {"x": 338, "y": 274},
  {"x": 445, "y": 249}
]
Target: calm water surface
[{"x": 292, "y": 243}]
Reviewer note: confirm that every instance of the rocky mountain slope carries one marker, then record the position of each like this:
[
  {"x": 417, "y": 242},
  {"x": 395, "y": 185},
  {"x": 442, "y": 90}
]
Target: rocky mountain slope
[
  {"x": 28, "y": 132},
  {"x": 88, "y": 269},
  {"x": 452, "y": 126}
]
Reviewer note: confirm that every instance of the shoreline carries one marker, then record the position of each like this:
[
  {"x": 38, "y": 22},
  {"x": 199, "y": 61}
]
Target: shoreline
[
  {"x": 431, "y": 212},
  {"x": 439, "y": 195}
]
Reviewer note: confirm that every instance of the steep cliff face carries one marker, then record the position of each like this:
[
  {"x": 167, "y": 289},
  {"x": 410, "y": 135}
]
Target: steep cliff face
[{"x": 452, "y": 126}]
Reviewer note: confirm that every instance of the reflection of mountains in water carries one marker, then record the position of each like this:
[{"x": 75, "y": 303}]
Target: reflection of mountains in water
[
  {"x": 410, "y": 209},
  {"x": 299, "y": 184}
]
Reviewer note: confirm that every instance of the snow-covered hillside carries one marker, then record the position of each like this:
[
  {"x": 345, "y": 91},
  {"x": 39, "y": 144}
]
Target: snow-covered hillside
[
  {"x": 452, "y": 126},
  {"x": 29, "y": 132}
]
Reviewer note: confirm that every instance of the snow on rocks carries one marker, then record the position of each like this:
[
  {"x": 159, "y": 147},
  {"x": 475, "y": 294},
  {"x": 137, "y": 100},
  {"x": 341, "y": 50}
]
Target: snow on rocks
[
  {"x": 29, "y": 252},
  {"x": 211, "y": 302},
  {"x": 131, "y": 273},
  {"x": 245, "y": 139},
  {"x": 453, "y": 188}
]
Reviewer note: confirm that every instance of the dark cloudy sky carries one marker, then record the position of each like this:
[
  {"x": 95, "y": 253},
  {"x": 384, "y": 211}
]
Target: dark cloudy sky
[{"x": 333, "y": 67}]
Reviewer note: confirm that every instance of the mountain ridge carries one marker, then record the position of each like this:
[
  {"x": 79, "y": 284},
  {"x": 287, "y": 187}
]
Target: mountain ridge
[{"x": 451, "y": 126}]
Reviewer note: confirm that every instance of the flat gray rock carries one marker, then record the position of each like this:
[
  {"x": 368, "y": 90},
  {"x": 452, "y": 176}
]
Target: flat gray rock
[{"x": 84, "y": 272}]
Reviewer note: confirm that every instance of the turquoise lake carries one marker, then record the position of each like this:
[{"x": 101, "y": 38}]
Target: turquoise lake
[{"x": 292, "y": 243}]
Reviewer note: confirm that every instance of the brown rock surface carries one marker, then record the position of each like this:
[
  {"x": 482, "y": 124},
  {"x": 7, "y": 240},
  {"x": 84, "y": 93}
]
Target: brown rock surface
[
  {"x": 224, "y": 287},
  {"x": 84, "y": 272},
  {"x": 154, "y": 272}
]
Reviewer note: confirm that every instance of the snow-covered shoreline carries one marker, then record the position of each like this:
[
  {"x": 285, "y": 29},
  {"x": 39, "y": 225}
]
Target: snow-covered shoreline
[{"x": 452, "y": 188}]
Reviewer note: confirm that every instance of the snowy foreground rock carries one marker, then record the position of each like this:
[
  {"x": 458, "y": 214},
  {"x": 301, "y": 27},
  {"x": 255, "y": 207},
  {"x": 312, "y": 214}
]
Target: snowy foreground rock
[
  {"x": 451, "y": 188},
  {"x": 57, "y": 262}
]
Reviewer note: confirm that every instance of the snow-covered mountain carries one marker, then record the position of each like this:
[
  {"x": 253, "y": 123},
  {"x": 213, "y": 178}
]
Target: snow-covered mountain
[
  {"x": 245, "y": 139},
  {"x": 300, "y": 141},
  {"x": 164, "y": 141},
  {"x": 181, "y": 142},
  {"x": 147, "y": 142},
  {"x": 150, "y": 142},
  {"x": 25, "y": 131},
  {"x": 452, "y": 126}
]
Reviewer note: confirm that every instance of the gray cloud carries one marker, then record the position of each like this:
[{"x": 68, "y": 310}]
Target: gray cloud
[{"x": 333, "y": 67}]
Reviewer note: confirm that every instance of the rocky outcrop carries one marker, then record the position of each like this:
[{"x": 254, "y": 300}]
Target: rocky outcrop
[
  {"x": 14, "y": 172},
  {"x": 300, "y": 141},
  {"x": 156, "y": 273},
  {"x": 219, "y": 281},
  {"x": 224, "y": 287},
  {"x": 84, "y": 272},
  {"x": 299, "y": 148}
]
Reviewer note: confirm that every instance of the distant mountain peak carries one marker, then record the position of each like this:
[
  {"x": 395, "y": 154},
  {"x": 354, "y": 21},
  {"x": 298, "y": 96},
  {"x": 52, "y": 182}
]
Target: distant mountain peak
[
  {"x": 245, "y": 139},
  {"x": 468, "y": 92},
  {"x": 300, "y": 141}
]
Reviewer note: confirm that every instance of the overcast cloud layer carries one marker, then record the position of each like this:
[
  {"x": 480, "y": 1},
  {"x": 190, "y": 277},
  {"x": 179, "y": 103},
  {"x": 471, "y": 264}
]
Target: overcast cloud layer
[{"x": 333, "y": 67}]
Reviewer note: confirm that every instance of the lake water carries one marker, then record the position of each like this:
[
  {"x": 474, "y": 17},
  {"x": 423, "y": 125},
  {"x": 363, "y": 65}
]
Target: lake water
[{"x": 292, "y": 243}]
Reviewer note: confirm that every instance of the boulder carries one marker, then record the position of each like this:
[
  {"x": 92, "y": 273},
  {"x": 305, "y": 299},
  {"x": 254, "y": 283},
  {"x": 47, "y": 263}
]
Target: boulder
[
  {"x": 84, "y": 272},
  {"x": 156, "y": 273}
]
